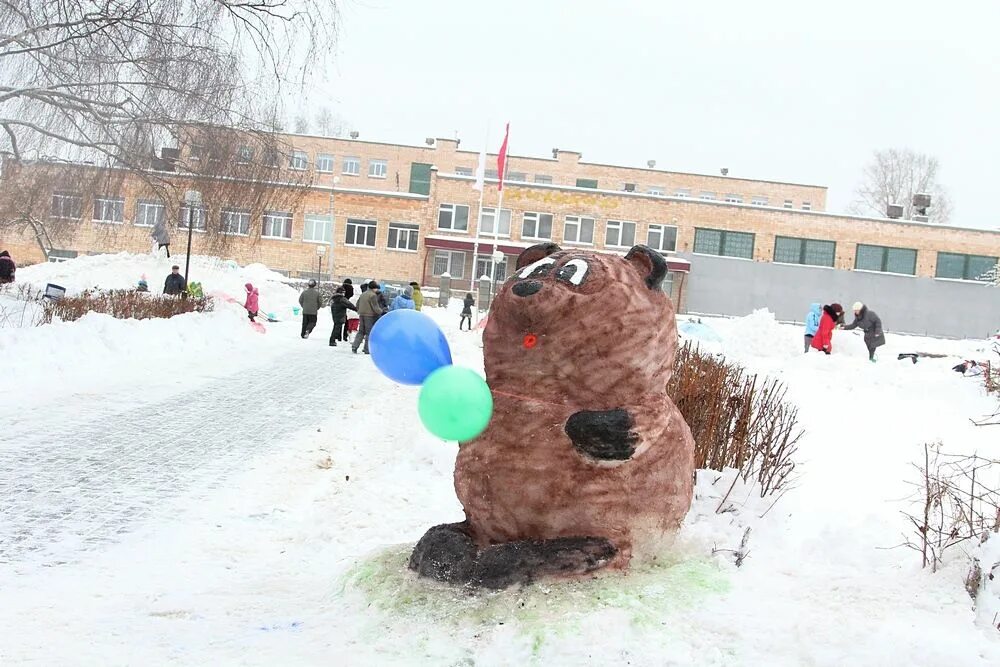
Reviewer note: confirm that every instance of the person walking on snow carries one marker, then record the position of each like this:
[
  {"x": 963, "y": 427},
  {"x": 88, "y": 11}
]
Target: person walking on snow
[
  {"x": 7, "y": 268},
  {"x": 871, "y": 324},
  {"x": 418, "y": 296},
  {"x": 252, "y": 304},
  {"x": 823, "y": 338},
  {"x": 812, "y": 324},
  {"x": 403, "y": 301},
  {"x": 467, "y": 305},
  {"x": 339, "y": 305},
  {"x": 161, "y": 236},
  {"x": 311, "y": 301},
  {"x": 369, "y": 310},
  {"x": 348, "y": 287},
  {"x": 175, "y": 284}
]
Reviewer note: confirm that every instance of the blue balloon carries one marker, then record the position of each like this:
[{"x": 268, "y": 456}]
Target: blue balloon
[{"x": 407, "y": 346}]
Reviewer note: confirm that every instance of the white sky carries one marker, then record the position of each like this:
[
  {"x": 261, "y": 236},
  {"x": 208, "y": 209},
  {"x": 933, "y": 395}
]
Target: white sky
[{"x": 788, "y": 90}]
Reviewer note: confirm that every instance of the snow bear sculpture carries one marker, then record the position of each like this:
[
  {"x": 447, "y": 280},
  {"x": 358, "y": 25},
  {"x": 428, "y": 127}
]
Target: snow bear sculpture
[{"x": 586, "y": 459}]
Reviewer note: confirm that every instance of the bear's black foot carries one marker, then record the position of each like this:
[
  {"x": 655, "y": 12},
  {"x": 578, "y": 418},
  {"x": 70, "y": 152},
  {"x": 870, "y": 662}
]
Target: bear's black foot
[{"x": 447, "y": 553}]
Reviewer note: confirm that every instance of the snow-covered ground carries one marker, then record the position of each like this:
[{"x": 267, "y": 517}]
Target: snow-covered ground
[{"x": 258, "y": 508}]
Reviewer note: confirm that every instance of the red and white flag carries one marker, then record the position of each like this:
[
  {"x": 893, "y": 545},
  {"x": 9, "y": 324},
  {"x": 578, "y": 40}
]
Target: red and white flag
[{"x": 502, "y": 158}]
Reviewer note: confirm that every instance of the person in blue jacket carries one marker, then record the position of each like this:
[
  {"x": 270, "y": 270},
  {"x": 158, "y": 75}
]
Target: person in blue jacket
[
  {"x": 812, "y": 323},
  {"x": 403, "y": 301}
]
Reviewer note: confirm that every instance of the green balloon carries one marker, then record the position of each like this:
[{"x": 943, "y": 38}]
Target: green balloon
[{"x": 455, "y": 403}]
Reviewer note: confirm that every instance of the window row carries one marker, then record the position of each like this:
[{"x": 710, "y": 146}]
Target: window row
[
  {"x": 299, "y": 160},
  {"x": 539, "y": 226}
]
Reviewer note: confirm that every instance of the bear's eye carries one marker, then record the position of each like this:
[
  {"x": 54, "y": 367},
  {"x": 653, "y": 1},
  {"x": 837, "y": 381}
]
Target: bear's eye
[
  {"x": 537, "y": 269},
  {"x": 573, "y": 272}
]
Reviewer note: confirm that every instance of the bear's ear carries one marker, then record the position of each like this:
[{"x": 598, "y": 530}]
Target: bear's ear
[
  {"x": 650, "y": 264},
  {"x": 535, "y": 253}
]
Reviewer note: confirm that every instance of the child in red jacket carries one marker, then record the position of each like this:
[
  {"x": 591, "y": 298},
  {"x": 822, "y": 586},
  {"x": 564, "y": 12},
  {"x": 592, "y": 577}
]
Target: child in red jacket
[{"x": 823, "y": 340}]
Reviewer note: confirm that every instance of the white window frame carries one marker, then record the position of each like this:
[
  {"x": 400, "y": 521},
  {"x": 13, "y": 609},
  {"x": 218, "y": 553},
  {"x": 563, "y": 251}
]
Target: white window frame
[
  {"x": 352, "y": 166},
  {"x": 683, "y": 193},
  {"x": 378, "y": 168},
  {"x": 200, "y": 219},
  {"x": 789, "y": 204},
  {"x": 404, "y": 230},
  {"x": 452, "y": 254},
  {"x": 325, "y": 163},
  {"x": 658, "y": 228},
  {"x": 371, "y": 230},
  {"x": 506, "y": 216},
  {"x": 516, "y": 177},
  {"x": 655, "y": 190},
  {"x": 244, "y": 155},
  {"x": 453, "y": 209},
  {"x": 310, "y": 223},
  {"x": 807, "y": 206},
  {"x": 268, "y": 220},
  {"x": 706, "y": 195},
  {"x": 226, "y": 216},
  {"x": 298, "y": 160},
  {"x": 487, "y": 262},
  {"x": 141, "y": 212},
  {"x": 535, "y": 217},
  {"x": 56, "y": 256},
  {"x": 620, "y": 226},
  {"x": 463, "y": 171},
  {"x": 64, "y": 199},
  {"x": 115, "y": 204},
  {"x": 732, "y": 198},
  {"x": 758, "y": 200},
  {"x": 577, "y": 221},
  {"x": 544, "y": 179}
]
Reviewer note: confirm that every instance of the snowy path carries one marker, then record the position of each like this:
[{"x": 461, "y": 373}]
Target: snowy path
[{"x": 100, "y": 467}]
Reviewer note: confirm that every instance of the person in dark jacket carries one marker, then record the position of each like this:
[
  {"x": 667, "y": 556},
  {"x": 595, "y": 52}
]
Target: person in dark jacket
[
  {"x": 7, "y": 268},
  {"x": 467, "y": 305},
  {"x": 339, "y": 305},
  {"x": 871, "y": 324},
  {"x": 175, "y": 284},
  {"x": 822, "y": 340},
  {"x": 369, "y": 310},
  {"x": 161, "y": 236},
  {"x": 381, "y": 299},
  {"x": 348, "y": 288},
  {"x": 311, "y": 301},
  {"x": 348, "y": 294}
]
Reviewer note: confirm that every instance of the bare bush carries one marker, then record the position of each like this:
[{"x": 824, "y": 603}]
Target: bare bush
[
  {"x": 123, "y": 305},
  {"x": 21, "y": 306},
  {"x": 738, "y": 420}
]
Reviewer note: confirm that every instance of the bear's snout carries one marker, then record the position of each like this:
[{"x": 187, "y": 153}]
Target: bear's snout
[{"x": 526, "y": 287}]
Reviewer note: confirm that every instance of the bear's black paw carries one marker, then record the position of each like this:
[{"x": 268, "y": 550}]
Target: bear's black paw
[
  {"x": 501, "y": 565},
  {"x": 605, "y": 435},
  {"x": 445, "y": 553}
]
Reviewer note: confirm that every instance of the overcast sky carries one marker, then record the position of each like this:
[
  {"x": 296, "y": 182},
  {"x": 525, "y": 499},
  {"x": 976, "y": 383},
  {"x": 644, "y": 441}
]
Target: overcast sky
[{"x": 787, "y": 90}]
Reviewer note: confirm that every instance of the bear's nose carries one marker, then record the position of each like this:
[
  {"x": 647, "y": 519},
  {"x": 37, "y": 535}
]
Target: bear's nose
[{"x": 526, "y": 287}]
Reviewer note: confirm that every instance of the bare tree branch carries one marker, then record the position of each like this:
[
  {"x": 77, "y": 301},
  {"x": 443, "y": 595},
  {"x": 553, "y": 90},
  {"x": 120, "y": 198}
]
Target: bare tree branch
[{"x": 893, "y": 177}]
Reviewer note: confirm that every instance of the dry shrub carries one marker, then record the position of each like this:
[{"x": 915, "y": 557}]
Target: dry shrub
[
  {"x": 123, "y": 305},
  {"x": 738, "y": 420}
]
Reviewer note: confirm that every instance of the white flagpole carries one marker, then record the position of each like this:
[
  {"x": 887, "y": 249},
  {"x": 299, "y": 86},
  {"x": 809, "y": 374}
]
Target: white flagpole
[{"x": 479, "y": 220}]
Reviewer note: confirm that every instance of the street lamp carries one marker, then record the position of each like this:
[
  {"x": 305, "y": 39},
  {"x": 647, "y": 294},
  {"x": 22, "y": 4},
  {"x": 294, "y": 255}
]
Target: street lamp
[
  {"x": 192, "y": 198},
  {"x": 320, "y": 251}
]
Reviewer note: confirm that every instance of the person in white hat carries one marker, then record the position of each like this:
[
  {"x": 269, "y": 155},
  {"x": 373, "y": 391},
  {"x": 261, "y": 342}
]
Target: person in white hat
[{"x": 871, "y": 324}]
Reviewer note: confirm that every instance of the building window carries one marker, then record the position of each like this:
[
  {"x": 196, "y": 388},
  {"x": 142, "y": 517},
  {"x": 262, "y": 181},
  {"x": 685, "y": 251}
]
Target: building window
[
  {"x": 463, "y": 171},
  {"x": 655, "y": 190},
  {"x": 629, "y": 187},
  {"x": 723, "y": 243},
  {"x": 758, "y": 200},
  {"x": 707, "y": 196},
  {"x": 586, "y": 183},
  {"x": 536, "y": 225},
  {"x": 352, "y": 166},
  {"x": 963, "y": 267},
  {"x": 451, "y": 262},
  {"x": 199, "y": 218},
  {"x": 620, "y": 234},
  {"x": 682, "y": 192},
  {"x": 324, "y": 163},
  {"x": 58, "y": 256},
  {"x": 790, "y": 250},
  {"x": 488, "y": 216},
  {"x": 378, "y": 168},
  {"x": 484, "y": 267},
  {"x": 788, "y": 203},
  {"x": 67, "y": 205},
  {"x": 806, "y": 206},
  {"x": 235, "y": 221},
  {"x": 516, "y": 176},
  {"x": 109, "y": 209},
  {"x": 490, "y": 173},
  {"x": 277, "y": 225},
  {"x": 578, "y": 229},
  {"x": 454, "y": 217},
  {"x": 149, "y": 213},
  {"x": 196, "y": 151},
  {"x": 662, "y": 238},
  {"x": 271, "y": 157},
  {"x": 318, "y": 229},
  {"x": 298, "y": 160},
  {"x": 734, "y": 199},
  {"x": 361, "y": 233},
  {"x": 403, "y": 236},
  {"x": 244, "y": 155},
  {"x": 886, "y": 260},
  {"x": 544, "y": 179}
]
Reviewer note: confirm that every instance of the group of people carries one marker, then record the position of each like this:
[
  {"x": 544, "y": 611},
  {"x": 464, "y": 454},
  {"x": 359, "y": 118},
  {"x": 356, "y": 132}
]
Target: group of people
[
  {"x": 371, "y": 305},
  {"x": 822, "y": 320}
]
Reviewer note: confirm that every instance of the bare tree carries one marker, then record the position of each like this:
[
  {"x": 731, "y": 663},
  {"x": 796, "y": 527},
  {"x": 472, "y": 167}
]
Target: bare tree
[
  {"x": 301, "y": 125},
  {"x": 324, "y": 121},
  {"x": 893, "y": 177}
]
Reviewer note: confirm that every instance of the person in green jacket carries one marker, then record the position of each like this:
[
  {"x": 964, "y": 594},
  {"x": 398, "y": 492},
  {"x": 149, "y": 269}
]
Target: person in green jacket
[
  {"x": 418, "y": 297},
  {"x": 311, "y": 301}
]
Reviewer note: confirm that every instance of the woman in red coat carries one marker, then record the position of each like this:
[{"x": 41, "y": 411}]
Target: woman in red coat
[{"x": 823, "y": 340}]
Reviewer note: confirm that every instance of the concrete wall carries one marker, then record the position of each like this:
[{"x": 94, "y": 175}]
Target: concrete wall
[{"x": 724, "y": 286}]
